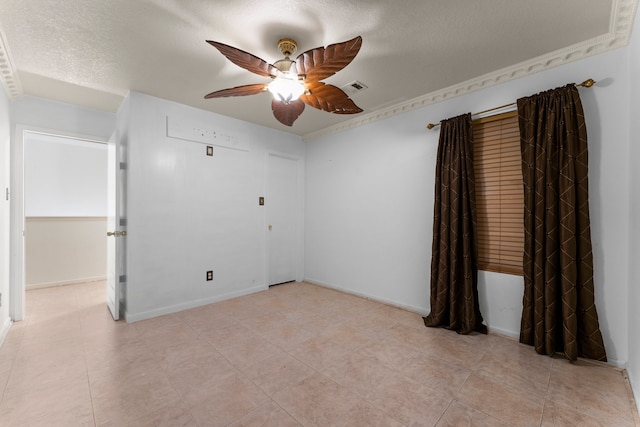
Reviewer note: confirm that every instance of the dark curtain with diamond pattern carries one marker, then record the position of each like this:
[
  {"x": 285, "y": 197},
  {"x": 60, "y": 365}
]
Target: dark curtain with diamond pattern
[
  {"x": 454, "y": 274},
  {"x": 559, "y": 312}
]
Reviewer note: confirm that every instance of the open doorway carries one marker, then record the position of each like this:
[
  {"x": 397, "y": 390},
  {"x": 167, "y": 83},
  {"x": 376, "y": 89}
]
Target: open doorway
[{"x": 64, "y": 209}]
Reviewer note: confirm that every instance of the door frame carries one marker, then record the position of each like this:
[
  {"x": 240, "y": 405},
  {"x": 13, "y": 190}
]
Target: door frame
[
  {"x": 116, "y": 199},
  {"x": 299, "y": 213},
  {"x": 17, "y": 216}
]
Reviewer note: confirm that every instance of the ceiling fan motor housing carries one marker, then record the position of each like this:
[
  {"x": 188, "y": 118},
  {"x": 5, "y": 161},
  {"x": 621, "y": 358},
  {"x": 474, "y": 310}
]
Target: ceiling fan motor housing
[{"x": 287, "y": 47}]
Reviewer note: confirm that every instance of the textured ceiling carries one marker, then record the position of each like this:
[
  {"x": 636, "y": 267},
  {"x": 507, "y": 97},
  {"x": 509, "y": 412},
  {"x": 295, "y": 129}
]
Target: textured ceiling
[{"x": 92, "y": 52}]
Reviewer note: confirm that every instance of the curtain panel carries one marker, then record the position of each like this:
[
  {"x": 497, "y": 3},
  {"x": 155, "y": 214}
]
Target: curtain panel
[
  {"x": 559, "y": 312},
  {"x": 454, "y": 274}
]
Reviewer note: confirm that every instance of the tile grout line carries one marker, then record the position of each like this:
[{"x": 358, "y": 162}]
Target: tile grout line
[
  {"x": 186, "y": 405},
  {"x": 86, "y": 367}
]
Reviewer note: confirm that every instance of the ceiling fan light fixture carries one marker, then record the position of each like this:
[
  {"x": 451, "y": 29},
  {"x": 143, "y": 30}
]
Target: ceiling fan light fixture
[
  {"x": 286, "y": 89},
  {"x": 286, "y": 86}
]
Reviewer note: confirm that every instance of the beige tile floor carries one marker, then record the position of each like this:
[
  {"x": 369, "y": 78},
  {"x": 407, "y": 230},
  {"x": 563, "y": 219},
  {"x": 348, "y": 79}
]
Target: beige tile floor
[{"x": 297, "y": 354}]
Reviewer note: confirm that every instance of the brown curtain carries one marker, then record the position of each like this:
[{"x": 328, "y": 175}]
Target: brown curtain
[
  {"x": 559, "y": 312},
  {"x": 454, "y": 273}
]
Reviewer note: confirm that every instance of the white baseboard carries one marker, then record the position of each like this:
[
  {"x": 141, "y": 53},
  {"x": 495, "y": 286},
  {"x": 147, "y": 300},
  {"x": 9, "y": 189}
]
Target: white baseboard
[
  {"x": 617, "y": 363},
  {"x": 64, "y": 283},
  {"x": 504, "y": 332},
  {"x": 6, "y": 325},
  {"x": 420, "y": 310},
  {"x": 136, "y": 317},
  {"x": 635, "y": 388}
]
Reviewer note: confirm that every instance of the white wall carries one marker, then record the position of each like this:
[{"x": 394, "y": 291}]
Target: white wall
[
  {"x": 634, "y": 213},
  {"x": 65, "y": 250},
  {"x": 64, "y": 177},
  {"x": 5, "y": 132},
  {"x": 188, "y": 213},
  {"x": 60, "y": 118},
  {"x": 369, "y": 208},
  {"x": 368, "y": 211}
]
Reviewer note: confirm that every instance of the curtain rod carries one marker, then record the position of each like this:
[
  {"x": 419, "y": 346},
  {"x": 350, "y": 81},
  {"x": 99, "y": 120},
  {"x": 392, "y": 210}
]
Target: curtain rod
[{"x": 586, "y": 83}]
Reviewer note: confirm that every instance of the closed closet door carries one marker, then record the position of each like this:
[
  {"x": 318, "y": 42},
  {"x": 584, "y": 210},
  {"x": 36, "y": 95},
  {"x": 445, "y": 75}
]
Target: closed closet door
[{"x": 282, "y": 218}]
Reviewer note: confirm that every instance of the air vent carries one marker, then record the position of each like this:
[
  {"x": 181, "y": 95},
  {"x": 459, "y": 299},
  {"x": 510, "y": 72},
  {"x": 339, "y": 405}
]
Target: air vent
[{"x": 353, "y": 87}]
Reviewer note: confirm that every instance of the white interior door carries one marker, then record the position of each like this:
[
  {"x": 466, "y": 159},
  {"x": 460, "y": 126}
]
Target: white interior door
[
  {"x": 283, "y": 218},
  {"x": 115, "y": 226}
]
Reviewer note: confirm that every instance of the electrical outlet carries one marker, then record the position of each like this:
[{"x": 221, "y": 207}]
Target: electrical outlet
[{"x": 209, "y": 275}]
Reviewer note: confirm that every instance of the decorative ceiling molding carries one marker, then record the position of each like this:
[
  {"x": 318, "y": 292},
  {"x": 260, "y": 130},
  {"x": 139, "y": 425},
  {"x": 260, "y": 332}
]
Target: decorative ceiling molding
[
  {"x": 10, "y": 79},
  {"x": 620, "y": 28}
]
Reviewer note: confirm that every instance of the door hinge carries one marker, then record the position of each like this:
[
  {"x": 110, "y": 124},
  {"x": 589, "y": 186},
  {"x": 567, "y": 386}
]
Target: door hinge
[
  {"x": 0, "y": 299},
  {"x": 7, "y": 194},
  {"x": 123, "y": 166},
  {"x": 123, "y": 278}
]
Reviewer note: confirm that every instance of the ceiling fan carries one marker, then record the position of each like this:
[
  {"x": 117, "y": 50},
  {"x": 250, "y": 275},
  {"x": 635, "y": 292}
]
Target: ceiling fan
[{"x": 296, "y": 83}]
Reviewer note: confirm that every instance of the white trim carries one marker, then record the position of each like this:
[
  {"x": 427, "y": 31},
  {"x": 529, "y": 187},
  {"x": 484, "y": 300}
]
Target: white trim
[
  {"x": 615, "y": 362},
  {"x": 65, "y": 218},
  {"x": 17, "y": 226},
  {"x": 9, "y": 75},
  {"x": 193, "y": 131},
  {"x": 136, "y": 317},
  {"x": 620, "y": 26},
  {"x": 17, "y": 218},
  {"x": 420, "y": 310},
  {"x": 62, "y": 134},
  {"x": 5, "y": 330},
  {"x": 503, "y": 332},
  {"x": 633, "y": 389},
  {"x": 65, "y": 283}
]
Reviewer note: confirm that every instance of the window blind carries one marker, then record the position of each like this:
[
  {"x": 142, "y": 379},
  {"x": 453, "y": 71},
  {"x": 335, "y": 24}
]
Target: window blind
[{"x": 499, "y": 193}]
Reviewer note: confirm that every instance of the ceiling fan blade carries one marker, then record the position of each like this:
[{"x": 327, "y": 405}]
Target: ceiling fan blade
[
  {"x": 319, "y": 63},
  {"x": 329, "y": 98},
  {"x": 238, "y": 91},
  {"x": 287, "y": 113},
  {"x": 245, "y": 59}
]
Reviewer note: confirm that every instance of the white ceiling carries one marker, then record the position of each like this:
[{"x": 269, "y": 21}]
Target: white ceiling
[{"x": 414, "y": 52}]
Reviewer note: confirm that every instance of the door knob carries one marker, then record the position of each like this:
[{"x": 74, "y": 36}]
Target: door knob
[{"x": 270, "y": 226}]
